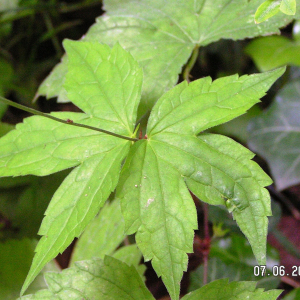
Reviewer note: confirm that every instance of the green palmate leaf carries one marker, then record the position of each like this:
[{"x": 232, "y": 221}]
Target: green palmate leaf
[
  {"x": 275, "y": 136},
  {"x": 288, "y": 7},
  {"x": 154, "y": 197},
  {"x": 96, "y": 279},
  {"x": 156, "y": 204},
  {"x": 107, "y": 88},
  {"x": 221, "y": 289},
  {"x": 161, "y": 35},
  {"x": 274, "y": 51},
  {"x": 97, "y": 241}
]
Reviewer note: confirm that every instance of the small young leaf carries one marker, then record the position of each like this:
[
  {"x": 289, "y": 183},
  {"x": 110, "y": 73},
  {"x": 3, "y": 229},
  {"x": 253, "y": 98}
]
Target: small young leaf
[
  {"x": 96, "y": 279},
  {"x": 221, "y": 289},
  {"x": 57, "y": 80},
  {"x": 288, "y": 7},
  {"x": 267, "y": 10},
  {"x": 275, "y": 136},
  {"x": 274, "y": 51}
]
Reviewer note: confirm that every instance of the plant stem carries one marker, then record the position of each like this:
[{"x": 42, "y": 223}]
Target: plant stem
[
  {"x": 68, "y": 122},
  {"x": 206, "y": 243},
  {"x": 190, "y": 64},
  {"x": 54, "y": 38}
]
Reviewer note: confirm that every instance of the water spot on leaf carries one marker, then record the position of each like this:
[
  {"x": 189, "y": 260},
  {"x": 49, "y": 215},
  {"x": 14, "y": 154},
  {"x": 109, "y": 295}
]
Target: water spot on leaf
[{"x": 149, "y": 201}]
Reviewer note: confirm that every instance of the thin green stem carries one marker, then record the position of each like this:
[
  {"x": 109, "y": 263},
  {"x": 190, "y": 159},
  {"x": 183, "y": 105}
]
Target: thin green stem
[
  {"x": 68, "y": 122},
  {"x": 54, "y": 38},
  {"x": 190, "y": 64}
]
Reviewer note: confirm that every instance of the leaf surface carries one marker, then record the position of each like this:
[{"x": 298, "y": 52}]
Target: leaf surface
[
  {"x": 274, "y": 51},
  {"x": 97, "y": 241},
  {"x": 203, "y": 104},
  {"x": 153, "y": 184},
  {"x": 156, "y": 204},
  {"x": 288, "y": 7},
  {"x": 267, "y": 10},
  {"x": 75, "y": 204},
  {"x": 94, "y": 72},
  {"x": 41, "y": 146},
  {"x": 221, "y": 289},
  {"x": 207, "y": 166},
  {"x": 161, "y": 35},
  {"x": 131, "y": 255},
  {"x": 275, "y": 136},
  {"x": 108, "y": 279}
]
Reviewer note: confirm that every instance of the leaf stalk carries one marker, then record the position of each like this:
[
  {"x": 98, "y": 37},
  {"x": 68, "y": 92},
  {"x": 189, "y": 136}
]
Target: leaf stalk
[
  {"x": 190, "y": 64},
  {"x": 68, "y": 122}
]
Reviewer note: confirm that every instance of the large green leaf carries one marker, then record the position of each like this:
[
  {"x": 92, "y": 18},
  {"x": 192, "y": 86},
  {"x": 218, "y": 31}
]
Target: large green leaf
[
  {"x": 41, "y": 146},
  {"x": 159, "y": 169},
  {"x": 107, "y": 88},
  {"x": 275, "y": 136},
  {"x": 221, "y": 289},
  {"x": 154, "y": 198},
  {"x": 162, "y": 34},
  {"x": 96, "y": 279}
]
